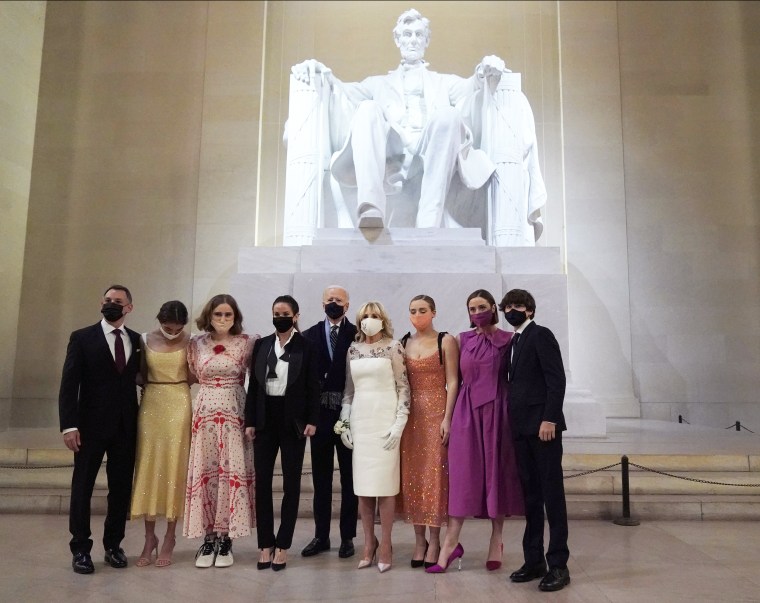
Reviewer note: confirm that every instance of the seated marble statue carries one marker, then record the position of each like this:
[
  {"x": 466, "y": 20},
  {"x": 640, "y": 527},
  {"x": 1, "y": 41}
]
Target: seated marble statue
[{"x": 384, "y": 130}]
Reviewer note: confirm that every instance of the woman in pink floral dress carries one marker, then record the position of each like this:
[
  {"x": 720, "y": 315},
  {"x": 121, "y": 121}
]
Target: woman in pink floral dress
[{"x": 219, "y": 500}]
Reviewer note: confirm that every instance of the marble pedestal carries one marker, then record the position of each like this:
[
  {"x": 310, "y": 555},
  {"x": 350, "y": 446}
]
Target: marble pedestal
[{"x": 394, "y": 265}]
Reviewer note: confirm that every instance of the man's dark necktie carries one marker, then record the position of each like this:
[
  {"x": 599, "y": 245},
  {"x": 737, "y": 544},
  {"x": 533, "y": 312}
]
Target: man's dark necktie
[
  {"x": 119, "y": 356},
  {"x": 512, "y": 350},
  {"x": 333, "y": 338}
]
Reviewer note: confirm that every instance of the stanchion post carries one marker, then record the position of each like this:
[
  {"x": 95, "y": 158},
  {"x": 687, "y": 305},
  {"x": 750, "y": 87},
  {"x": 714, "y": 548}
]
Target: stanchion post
[
  {"x": 738, "y": 426},
  {"x": 626, "y": 519},
  {"x": 680, "y": 418}
]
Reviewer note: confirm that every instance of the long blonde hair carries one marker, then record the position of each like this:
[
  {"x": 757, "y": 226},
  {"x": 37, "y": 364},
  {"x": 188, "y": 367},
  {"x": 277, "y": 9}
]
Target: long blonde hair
[{"x": 373, "y": 307}]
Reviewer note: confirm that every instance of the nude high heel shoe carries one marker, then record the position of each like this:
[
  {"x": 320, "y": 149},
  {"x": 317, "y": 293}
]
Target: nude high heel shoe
[
  {"x": 367, "y": 562},
  {"x": 146, "y": 561},
  {"x": 384, "y": 567}
]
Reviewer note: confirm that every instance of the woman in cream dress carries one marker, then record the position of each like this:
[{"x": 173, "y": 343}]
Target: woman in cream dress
[
  {"x": 163, "y": 435},
  {"x": 375, "y": 407}
]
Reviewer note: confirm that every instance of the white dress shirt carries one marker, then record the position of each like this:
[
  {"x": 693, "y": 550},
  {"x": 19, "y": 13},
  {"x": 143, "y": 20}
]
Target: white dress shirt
[{"x": 277, "y": 387}]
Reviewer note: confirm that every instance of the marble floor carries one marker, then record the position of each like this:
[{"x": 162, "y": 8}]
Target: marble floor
[{"x": 654, "y": 562}]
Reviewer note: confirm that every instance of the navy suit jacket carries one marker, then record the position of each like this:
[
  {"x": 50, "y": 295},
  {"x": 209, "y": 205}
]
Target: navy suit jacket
[
  {"x": 332, "y": 372},
  {"x": 537, "y": 386},
  {"x": 301, "y": 404},
  {"x": 94, "y": 397}
]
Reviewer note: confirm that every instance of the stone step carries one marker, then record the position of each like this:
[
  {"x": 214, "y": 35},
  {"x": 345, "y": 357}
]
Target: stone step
[{"x": 45, "y": 489}]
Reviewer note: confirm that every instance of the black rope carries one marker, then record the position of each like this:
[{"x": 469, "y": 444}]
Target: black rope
[{"x": 693, "y": 479}]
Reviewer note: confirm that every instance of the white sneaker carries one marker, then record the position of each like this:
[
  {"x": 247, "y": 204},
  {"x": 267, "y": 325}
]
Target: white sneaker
[
  {"x": 224, "y": 553},
  {"x": 207, "y": 552}
]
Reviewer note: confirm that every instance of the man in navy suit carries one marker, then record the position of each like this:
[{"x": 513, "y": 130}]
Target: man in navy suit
[
  {"x": 332, "y": 337},
  {"x": 97, "y": 406},
  {"x": 536, "y": 379}
]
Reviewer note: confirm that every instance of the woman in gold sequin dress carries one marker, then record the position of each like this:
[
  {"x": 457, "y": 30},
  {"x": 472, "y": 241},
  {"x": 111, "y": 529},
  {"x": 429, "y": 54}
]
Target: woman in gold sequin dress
[
  {"x": 163, "y": 435},
  {"x": 219, "y": 500},
  {"x": 432, "y": 364}
]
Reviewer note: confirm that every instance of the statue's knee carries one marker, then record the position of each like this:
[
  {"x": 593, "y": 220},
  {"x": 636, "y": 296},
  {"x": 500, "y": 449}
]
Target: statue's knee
[{"x": 447, "y": 116}]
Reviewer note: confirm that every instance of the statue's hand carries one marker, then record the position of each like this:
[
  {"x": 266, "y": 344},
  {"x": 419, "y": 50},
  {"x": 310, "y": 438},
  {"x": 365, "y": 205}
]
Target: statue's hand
[
  {"x": 307, "y": 70},
  {"x": 491, "y": 67}
]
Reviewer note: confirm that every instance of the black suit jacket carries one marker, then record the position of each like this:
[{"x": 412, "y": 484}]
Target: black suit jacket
[
  {"x": 94, "y": 397},
  {"x": 302, "y": 392},
  {"x": 537, "y": 386},
  {"x": 332, "y": 372}
]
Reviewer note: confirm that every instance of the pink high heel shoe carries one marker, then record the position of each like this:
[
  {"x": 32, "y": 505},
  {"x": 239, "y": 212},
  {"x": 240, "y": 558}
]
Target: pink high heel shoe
[{"x": 457, "y": 553}]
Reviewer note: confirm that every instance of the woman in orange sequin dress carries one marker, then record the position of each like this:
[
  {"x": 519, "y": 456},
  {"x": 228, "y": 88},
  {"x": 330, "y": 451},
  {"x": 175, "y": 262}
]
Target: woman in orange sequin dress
[{"x": 432, "y": 361}]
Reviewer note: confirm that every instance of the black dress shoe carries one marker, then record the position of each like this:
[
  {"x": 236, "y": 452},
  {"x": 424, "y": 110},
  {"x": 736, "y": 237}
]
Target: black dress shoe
[
  {"x": 346, "y": 549},
  {"x": 556, "y": 579},
  {"x": 528, "y": 573},
  {"x": 315, "y": 547},
  {"x": 82, "y": 563},
  {"x": 116, "y": 558}
]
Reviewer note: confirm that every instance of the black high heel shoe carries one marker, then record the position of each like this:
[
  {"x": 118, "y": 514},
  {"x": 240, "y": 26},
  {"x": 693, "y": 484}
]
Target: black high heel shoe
[
  {"x": 278, "y": 566},
  {"x": 420, "y": 562},
  {"x": 262, "y": 565}
]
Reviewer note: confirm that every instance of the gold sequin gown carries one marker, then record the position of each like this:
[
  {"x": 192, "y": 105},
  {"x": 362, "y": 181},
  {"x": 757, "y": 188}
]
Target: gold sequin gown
[
  {"x": 424, "y": 466},
  {"x": 163, "y": 437}
]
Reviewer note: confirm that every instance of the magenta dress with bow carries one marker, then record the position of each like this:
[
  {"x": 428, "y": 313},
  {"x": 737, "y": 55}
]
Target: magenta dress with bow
[{"x": 483, "y": 478}]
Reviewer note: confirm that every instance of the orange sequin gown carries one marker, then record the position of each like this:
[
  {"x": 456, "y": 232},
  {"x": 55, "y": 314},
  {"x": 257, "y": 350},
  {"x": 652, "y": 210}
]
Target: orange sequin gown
[{"x": 424, "y": 495}]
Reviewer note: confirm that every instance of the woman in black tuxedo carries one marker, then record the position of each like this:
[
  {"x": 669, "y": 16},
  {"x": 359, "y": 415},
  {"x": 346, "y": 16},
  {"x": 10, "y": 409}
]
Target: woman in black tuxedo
[{"x": 281, "y": 411}]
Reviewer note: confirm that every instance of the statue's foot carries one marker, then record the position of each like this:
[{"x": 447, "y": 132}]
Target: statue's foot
[{"x": 371, "y": 218}]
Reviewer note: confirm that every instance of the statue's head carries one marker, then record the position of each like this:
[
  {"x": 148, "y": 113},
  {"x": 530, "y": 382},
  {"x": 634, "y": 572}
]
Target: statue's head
[{"x": 412, "y": 35}]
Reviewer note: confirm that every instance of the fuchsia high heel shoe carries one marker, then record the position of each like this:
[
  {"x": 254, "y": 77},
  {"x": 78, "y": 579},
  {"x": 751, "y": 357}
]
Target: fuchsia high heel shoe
[{"x": 457, "y": 553}]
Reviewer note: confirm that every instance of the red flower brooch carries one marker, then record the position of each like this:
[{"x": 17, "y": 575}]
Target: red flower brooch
[{"x": 218, "y": 349}]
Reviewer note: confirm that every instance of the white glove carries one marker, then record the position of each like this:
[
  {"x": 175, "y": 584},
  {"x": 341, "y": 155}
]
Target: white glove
[
  {"x": 394, "y": 436},
  {"x": 347, "y": 440},
  {"x": 345, "y": 412}
]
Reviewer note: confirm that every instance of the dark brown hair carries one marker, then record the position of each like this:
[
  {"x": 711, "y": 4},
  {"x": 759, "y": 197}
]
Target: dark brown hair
[
  {"x": 519, "y": 297},
  {"x": 173, "y": 311},
  {"x": 489, "y": 298},
  {"x": 119, "y": 288},
  {"x": 204, "y": 320}
]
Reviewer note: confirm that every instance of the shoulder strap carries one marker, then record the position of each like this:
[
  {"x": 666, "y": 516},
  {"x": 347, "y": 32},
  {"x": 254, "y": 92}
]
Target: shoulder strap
[
  {"x": 441, "y": 335},
  {"x": 405, "y": 338}
]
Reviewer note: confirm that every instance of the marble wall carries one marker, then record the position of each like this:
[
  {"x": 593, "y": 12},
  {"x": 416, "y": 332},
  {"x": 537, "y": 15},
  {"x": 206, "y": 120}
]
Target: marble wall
[
  {"x": 690, "y": 88},
  {"x": 147, "y": 168},
  {"x": 22, "y": 25}
]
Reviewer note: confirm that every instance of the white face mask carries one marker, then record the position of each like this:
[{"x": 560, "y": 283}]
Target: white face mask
[
  {"x": 169, "y": 336},
  {"x": 371, "y": 326}
]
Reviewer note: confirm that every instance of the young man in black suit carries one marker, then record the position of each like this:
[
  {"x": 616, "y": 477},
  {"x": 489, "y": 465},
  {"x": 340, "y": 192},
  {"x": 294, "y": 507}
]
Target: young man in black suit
[
  {"x": 536, "y": 379},
  {"x": 332, "y": 371},
  {"x": 97, "y": 406}
]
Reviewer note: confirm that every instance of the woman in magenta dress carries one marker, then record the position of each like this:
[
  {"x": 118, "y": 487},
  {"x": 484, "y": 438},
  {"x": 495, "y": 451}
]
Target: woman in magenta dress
[{"x": 483, "y": 478}]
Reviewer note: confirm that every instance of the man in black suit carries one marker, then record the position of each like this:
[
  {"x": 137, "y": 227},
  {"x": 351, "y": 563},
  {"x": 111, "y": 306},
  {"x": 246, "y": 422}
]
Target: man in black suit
[
  {"x": 536, "y": 379},
  {"x": 332, "y": 370},
  {"x": 97, "y": 406}
]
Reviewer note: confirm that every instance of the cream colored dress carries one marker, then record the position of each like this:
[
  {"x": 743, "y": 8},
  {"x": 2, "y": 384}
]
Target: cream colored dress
[
  {"x": 163, "y": 437},
  {"x": 378, "y": 391}
]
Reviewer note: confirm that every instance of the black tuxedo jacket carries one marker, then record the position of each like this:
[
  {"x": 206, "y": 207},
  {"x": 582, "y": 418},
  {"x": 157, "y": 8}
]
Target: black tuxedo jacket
[
  {"x": 332, "y": 372},
  {"x": 537, "y": 386},
  {"x": 94, "y": 397},
  {"x": 302, "y": 392}
]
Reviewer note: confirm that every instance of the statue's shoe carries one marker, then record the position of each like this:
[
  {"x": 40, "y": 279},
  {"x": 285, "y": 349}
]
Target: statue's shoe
[{"x": 371, "y": 218}]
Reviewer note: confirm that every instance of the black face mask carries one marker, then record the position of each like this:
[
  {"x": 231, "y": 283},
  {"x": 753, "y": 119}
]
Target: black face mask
[
  {"x": 282, "y": 323},
  {"x": 334, "y": 310},
  {"x": 515, "y": 317},
  {"x": 111, "y": 311}
]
